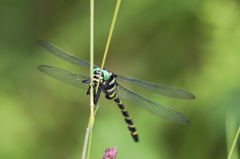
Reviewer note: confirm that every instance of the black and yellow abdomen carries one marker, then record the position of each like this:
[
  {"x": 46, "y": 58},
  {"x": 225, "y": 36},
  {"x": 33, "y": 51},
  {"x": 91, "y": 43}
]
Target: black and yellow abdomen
[
  {"x": 128, "y": 120},
  {"x": 109, "y": 87}
]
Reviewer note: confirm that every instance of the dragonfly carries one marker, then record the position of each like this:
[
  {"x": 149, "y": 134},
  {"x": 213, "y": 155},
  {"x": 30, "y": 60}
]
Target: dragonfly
[{"x": 113, "y": 91}]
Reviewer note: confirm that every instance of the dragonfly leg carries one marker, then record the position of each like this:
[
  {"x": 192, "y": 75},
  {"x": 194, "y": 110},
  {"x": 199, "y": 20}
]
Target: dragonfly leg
[
  {"x": 97, "y": 95},
  {"x": 86, "y": 81},
  {"x": 88, "y": 92}
]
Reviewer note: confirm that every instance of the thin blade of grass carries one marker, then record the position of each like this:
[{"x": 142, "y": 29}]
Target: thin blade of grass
[
  {"x": 234, "y": 143},
  {"x": 109, "y": 38}
]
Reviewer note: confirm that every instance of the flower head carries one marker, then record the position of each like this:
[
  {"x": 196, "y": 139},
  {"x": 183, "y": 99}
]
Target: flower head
[{"x": 110, "y": 153}]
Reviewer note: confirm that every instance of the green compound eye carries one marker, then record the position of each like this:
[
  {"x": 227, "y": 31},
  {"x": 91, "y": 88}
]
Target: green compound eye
[
  {"x": 96, "y": 69},
  {"x": 105, "y": 73}
]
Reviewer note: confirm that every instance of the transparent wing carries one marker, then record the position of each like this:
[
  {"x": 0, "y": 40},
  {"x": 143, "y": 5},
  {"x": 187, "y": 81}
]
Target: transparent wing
[
  {"x": 65, "y": 76},
  {"x": 64, "y": 55},
  {"x": 151, "y": 106},
  {"x": 160, "y": 89}
]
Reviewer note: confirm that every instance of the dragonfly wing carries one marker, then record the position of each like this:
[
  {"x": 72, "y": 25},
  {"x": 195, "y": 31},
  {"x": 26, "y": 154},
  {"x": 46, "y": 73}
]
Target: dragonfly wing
[
  {"x": 160, "y": 89},
  {"x": 151, "y": 106},
  {"x": 65, "y": 76},
  {"x": 64, "y": 55}
]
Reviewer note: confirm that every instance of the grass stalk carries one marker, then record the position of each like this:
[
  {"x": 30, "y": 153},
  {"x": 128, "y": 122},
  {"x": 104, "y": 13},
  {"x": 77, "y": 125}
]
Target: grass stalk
[
  {"x": 234, "y": 143},
  {"x": 109, "y": 38},
  {"x": 88, "y": 139}
]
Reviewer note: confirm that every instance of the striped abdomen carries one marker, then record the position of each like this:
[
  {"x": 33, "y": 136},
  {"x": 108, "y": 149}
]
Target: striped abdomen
[
  {"x": 111, "y": 94},
  {"x": 128, "y": 120}
]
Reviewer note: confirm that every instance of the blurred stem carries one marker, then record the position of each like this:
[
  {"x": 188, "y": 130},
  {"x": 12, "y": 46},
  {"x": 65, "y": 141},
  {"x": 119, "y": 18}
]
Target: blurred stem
[
  {"x": 89, "y": 141},
  {"x": 91, "y": 119},
  {"x": 231, "y": 118},
  {"x": 109, "y": 38},
  {"x": 234, "y": 143},
  {"x": 85, "y": 144}
]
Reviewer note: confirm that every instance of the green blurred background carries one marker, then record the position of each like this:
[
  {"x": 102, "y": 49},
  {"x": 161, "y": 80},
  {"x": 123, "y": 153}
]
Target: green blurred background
[{"x": 190, "y": 44}]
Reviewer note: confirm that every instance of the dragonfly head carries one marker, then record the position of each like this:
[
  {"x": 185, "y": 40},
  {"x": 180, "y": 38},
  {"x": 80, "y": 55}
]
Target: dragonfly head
[{"x": 105, "y": 73}]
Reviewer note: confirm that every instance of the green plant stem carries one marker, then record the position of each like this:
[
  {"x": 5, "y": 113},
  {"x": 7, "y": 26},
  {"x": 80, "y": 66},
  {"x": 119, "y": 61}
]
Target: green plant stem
[
  {"x": 88, "y": 139},
  {"x": 91, "y": 74},
  {"x": 91, "y": 53},
  {"x": 89, "y": 142},
  {"x": 234, "y": 143},
  {"x": 109, "y": 38}
]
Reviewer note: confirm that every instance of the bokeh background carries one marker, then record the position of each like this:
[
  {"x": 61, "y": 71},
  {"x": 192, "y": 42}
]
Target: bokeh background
[{"x": 191, "y": 44}]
